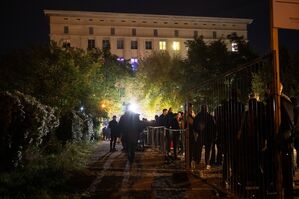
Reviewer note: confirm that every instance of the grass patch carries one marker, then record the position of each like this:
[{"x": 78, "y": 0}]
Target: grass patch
[{"x": 46, "y": 172}]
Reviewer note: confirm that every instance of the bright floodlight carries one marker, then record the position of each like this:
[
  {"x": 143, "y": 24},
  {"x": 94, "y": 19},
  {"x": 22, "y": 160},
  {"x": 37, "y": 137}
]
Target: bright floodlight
[{"x": 133, "y": 107}]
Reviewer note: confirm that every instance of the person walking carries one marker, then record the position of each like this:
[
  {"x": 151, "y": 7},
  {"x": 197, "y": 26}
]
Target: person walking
[
  {"x": 130, "y": 127},
  {"x": 113, "y": 125}
]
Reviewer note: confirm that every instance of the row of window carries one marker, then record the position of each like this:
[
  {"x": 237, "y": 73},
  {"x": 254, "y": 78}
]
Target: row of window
[
  {"x": 134, "y": 32},
  {"x": 134, "y": 44},
  {"x": 155, "y": 22}
]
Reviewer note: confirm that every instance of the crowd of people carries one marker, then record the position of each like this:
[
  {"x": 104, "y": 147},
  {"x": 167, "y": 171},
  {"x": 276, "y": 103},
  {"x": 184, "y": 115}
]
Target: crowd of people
[{"x": 238, "y": 136}]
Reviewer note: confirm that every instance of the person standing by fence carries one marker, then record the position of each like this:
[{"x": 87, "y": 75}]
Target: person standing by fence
[{"x": 204, "y": 126}]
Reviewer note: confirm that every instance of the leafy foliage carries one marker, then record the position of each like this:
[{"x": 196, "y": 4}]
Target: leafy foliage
[{"x": 24, "y": 123}]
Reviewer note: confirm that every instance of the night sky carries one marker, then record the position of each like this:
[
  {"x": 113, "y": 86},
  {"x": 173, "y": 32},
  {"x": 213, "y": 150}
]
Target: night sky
[{"x": 23, "y": 22}]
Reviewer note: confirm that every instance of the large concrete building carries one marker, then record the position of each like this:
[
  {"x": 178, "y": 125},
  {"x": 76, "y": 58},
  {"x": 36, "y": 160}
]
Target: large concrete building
[{"x": 133, "y": 36}]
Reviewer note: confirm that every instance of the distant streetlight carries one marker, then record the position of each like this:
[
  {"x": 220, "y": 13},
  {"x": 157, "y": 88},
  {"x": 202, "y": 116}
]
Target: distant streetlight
[{"x": 81, "y": 108}]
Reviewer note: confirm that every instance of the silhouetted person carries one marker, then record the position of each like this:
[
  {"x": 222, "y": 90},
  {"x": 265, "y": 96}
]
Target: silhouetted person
[
  {"x": 204, "y": 125},
  {"x": 175, "y": 125},
  {"x": 220, "y": 124},
  {"x": 233, "y": 111},
  {"x": 252, "y": 141},
  {"x": 286, "y": 134},
  {"x": 296, "y": 128},
  {"x": 113, "y": 125},
  {"x": 189, "y": 123},
  {"x": 130, "y": 126},
  {"x": 281, "y": 143}
]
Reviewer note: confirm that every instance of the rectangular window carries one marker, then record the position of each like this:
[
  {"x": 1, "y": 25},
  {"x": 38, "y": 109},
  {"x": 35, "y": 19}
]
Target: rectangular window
[
  {"x": 66, "y": 44},
  {"x": 176, "y": 45},
  {"x": 90, "y": 30},
  {"x": 155, "y": 33},
  {"x": 176, "y": 33},
  {"x": 234, "y": 47},
  {"x": 106, "y": 44},
  {"x": 120, "y": 44},
  {"x": 112, "y": 31},
  {"x": 134, "y": 63},
  {"x": 133, "y": 32},
  {"x": 214, "y": 34},
  {"x": 65, "y": 29},
  {"x": 134, "y": 45},
  {"x": 91, "y": 44},
  {"x": 162, "y": 45},
  {"x": 195, "y": 34},
  {"x": 148, "y": 45}
]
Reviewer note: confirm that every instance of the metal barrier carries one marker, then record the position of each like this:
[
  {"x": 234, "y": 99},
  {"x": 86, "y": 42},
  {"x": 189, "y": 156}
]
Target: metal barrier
[
  {"x": 244, "y": 126},
  {"x": 170, "y": 142}
]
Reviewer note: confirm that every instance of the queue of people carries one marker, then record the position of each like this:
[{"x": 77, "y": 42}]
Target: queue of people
[{"x": 238, "y": 136}]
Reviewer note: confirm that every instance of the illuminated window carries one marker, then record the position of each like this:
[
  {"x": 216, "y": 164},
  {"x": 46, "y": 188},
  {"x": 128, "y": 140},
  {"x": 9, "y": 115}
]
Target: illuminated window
[
  {"x": 134, "y": 45},
  {"x": 90, "y": 30},
  {"x": 121, "y": 59},
  {"x": 91, "y": 44},
  {"x": 162, "y": 45},
  {"x": 66, "y": 29},
  {"x": 234, "y": 47},
  {"x": 176, "y": 45},
  {"x": 120, "y": 44},
  {"x": 148, "y": 45},
  {"x": 134, "y": 63}
]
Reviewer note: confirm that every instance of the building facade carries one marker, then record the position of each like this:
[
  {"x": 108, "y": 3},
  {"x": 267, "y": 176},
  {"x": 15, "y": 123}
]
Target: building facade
[{"x": 134, "y": 36}]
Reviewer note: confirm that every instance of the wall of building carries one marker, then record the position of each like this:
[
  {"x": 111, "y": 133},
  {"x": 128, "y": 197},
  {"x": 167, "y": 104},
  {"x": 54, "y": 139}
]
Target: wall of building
[{"x": 169, "y": 28}]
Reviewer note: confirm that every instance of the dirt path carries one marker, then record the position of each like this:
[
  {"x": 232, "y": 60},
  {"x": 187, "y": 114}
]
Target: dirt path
[{"x": 109, "y": 175}]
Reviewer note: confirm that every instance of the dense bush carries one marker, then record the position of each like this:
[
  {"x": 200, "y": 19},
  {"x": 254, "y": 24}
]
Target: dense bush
[
  {"x": 75, "y": 126},
  {"x": 24, "y": 123}
]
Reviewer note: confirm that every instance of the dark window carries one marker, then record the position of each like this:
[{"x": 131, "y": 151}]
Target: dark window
[
  {"x": 133, "y": 32},
  {"x": 195, "y": 34},
  {"x": 134, "y": 45},
  {"x": 214, "y": 34},
  {"x": 91, "y": 44},
  {"x": 148, "y": 45},
  {"x": 120, "y": 44},
  {"x": 90, "y": 30},
  {"x": 66, "y": 29},
  {"x": 66, "y": 44},
  {"x": 176, "y": 33},
  {"x": 106, "y": 44},
  {"x": 155, "y": 32},
  {"x": 112, "y": 31}
]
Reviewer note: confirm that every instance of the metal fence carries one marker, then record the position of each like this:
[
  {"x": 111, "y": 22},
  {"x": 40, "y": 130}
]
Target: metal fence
[
  {"x": 232, "y": 137},
  {"x": 242, "y": 131},
  {"x": 171, "y": 142}
]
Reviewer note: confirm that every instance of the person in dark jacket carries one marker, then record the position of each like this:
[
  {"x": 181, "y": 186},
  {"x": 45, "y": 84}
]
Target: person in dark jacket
[
  {"x": 286, "y": 134},
  {"x": 204, "y": 125},
  {"x": 175, "y": 125},
  {"x": 113, "y": 125},
  {"x": 130, "y": 126}
]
